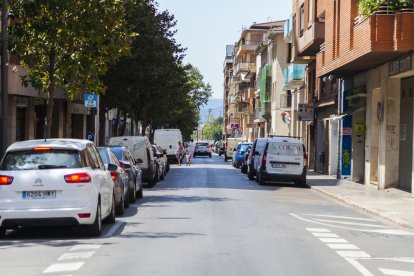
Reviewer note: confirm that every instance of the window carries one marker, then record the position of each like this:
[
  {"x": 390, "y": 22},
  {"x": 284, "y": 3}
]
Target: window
[{"x": 302, "y": 19}]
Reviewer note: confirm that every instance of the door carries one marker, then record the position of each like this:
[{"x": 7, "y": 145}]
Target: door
[{"x": 406, "y": 134}]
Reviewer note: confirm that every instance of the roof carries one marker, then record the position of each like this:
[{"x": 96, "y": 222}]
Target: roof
[
  {"x": 77, "y": 144},
  {"x": 268, "y": 25}
]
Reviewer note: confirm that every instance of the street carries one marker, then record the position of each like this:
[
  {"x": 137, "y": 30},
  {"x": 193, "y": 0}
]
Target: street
[{"x": 209, "y": 219}]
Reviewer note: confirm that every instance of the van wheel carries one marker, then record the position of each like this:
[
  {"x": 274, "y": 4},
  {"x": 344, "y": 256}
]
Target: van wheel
[
  {"x": 301, "y": 182},
  {"x": 250, "y": 175},
  {"x": 95, "y": 229},
  {"x": 2, "y": 232},
  {"x": 260, "y": 179},
  {"x": 132, "y": 194},
  {"x": 126, "y": 200},
  {"x": 139, "y": 193},
  {"x": 162, "y": 175},
  {"x": 243, "y": 169},
  {"x": 151, "y": 183},
  {"x": 111, "y": 218}
]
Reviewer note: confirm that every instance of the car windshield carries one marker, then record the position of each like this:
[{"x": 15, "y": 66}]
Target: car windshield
[
  {"x": 38, "y": 160},
  {"x": 202, "y": 144}
]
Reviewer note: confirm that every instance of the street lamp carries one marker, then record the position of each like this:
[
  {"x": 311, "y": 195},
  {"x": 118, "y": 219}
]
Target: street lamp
[{"x": 4, "y": 79}]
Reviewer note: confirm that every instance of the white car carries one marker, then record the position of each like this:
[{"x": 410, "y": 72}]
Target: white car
[
  {"x": 283, "y": 159},
  {"x": 55, "y": 182}
]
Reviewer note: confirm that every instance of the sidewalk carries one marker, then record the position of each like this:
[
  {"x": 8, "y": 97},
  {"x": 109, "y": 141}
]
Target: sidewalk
[{"x": 391, "y": 204}]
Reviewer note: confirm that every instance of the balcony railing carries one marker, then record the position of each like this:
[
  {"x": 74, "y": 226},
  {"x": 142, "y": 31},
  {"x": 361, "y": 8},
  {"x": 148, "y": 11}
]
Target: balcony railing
[
  {"x": 295, "y": 76},
  {"x": 242, "y": 67}
]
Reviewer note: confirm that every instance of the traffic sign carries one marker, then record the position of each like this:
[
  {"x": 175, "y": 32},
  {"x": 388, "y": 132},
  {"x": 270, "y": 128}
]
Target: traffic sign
[
  {"x": 90, "y": 136},
  {"x": 91, "y": 100}
]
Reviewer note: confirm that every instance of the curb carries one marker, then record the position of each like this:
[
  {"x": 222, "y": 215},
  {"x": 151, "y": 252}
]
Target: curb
[{"x": 372, "y": 211}]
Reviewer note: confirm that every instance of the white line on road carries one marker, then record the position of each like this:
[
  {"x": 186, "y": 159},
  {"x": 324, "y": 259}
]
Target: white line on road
[
  {"x": 396, "y": 272},
  {"x": 341, "y": 217},
  {"x": 63, "y": 267},
  {"x": 342, "y": 246},
  {"x": 352, "y": 223},
  {"x": 359, "y": 267},
  {"x": 76, "y": 255},
  {"x": 320, "y": 230},
  {"x": 333, "y": 240},
  {"x": 85, "y": 247},
  {"x": 353, "y": 254},
  {"x": 325, "y": 235}
]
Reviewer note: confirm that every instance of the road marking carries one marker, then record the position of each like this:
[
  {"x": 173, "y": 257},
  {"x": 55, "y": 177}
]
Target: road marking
[
  {"x": 353, "y": 254},
  {"x": 341, "y": 217},
  {"x": 359, "y": 267},
  {"x": 63, "y": 267},
  {"x": 76, "y": 255},
  {"x": 85, "y": 247},
  {"x": 396, "y": 272},
  {"x": 333, "y": 240},
  {"x": 381, "y": 231},
  {"x": 342, "y": 246},
  {"x": 352, "y": 223},
  {"x": 320, "y": 230},
  {"x": 325, "y": 235}
]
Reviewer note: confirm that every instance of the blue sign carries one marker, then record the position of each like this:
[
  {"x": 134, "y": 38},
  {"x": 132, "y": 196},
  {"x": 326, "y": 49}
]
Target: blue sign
[
  {"x": 90, "y": 136},
  {"x": 91, "y": 100}
]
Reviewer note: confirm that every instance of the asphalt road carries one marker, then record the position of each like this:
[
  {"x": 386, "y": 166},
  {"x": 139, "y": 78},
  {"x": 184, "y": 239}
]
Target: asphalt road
[{"x": 208, "y": 219}]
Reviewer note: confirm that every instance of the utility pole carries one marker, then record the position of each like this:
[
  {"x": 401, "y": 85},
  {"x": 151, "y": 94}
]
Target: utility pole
[{"x": 4, "y": 141}]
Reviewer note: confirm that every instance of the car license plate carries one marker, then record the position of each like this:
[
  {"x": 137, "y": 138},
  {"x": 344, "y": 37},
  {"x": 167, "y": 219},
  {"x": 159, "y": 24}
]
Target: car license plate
[
  {"x": 279, "y": 166},
  {"x": 39, "y": 195}
]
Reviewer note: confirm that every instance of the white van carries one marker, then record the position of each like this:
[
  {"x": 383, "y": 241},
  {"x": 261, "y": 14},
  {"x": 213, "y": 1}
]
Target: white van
[
  {"x": 141, "y": 151},
  {"x": 231, "y": 145},
  {"x": 284, "y": 159},
  {"x": 167, "y": 139}
]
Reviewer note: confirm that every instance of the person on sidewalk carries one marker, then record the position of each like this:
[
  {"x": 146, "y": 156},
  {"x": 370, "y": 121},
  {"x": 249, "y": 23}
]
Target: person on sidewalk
[
  {"x": 190, "y": 152},
  {"x": 179, "y": 152}
]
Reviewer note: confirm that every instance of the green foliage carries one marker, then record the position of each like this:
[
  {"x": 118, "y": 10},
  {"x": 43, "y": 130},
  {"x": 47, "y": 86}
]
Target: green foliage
[
  {"x": 213, "y": 129},
  {"x": 68, "y": 44},
  {"x": 368, "y": 7}
]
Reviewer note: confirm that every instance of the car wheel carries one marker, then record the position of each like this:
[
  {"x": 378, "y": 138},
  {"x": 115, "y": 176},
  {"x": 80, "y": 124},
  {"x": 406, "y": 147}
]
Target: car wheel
[
  {"x": 111, "y": 218},
  {"x": 132, "y": 194},
  {"x": 225, "y": 157},
  {"x": 250, "y": 174},
  {"x": 120, "y": 208},
  {"x": 139, "y": 193},
  {"x": 2, "y": 232},
  {"x": 301, "y": 182},
  {"x": 126, "y": 199},
  {"x": 168, "y": 166},
  {"x": 162, "y": 175},
  {"x": 209, "y": 155},
  {"x": 151, "y": 183},
  {"x": 243, "y": 169},
  {"x": 95, "y": 229}
]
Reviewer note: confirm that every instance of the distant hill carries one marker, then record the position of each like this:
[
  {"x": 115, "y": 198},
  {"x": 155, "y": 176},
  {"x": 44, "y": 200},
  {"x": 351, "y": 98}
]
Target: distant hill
[{"x": 216, "y": 106}]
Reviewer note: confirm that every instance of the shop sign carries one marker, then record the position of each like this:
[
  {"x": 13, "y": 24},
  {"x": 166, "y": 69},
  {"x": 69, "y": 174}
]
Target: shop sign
[
  {"x": 400, "y": 65},
  {"x": 346, "y": 131},
  {"x": 305, "y": 112},
  {"x": 234, "y": 125}
]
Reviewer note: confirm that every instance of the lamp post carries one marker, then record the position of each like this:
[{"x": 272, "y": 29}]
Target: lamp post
[{"x": 4, "y": 79}]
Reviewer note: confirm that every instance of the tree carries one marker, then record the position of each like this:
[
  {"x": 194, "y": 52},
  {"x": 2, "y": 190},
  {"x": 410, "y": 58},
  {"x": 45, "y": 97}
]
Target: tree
[
  {"x": 68, "y": 44},
  {"x": 213, "y": 130}
]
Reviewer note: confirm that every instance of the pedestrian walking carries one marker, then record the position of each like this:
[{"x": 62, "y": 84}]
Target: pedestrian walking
[
  {"x": 179, "y": 152},
  {"x": 190, "y": 152}
]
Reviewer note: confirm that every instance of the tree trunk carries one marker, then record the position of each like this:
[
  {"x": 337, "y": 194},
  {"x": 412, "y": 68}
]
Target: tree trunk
[
  {"x": 144, "y": 127},
  {"x": 51, "y": 94},
  {"x": 68, "y": 119},
  {"x": 116, "y": 123}
]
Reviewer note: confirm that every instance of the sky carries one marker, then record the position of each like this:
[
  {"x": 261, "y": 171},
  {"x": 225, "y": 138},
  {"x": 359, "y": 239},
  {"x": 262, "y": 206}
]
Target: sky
[{"x": 205, "y": 27}]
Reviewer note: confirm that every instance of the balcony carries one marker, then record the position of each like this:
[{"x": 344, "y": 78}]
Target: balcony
[
  {"x": 309, "y": 42},
  {"x": 246, "y": 46},
  {"x": 242, "y": 67},
  {"x": 295, "y": 76},
  {"x": 374, "y": 41}
]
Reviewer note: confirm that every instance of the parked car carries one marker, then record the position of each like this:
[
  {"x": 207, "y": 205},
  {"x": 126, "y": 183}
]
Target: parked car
[
  {"x": 219, "y": 147},
  {"x": 283, "y": 159},
  {"x": 142, "y": 154},
  {"x": 254, "y": 156},
  {"x": 238, "y": 154},
  {"x": 167, "y": 139},
  {"x": 202, "y": 149},
  {"x": 244, "y": 162},
  {"x": 55, "y": 182},
  {"x": 120, "y": 178},
  {"x": 161, "y": 161},
  {"x": 231, "y": 144},
  {"x": 132, "y": 169}
]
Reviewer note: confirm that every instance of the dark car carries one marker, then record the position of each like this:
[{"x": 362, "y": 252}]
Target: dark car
[
  {"x": 245, "y": 159},
  {"x": 120, "y": 178},
  {"x": 131, "y": 167},
  {"x": 161, "y": 160}
]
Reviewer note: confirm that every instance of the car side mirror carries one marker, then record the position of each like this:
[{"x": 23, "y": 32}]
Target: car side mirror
[
  {"x": 139, "y": 160},
  {"x": 112, "y": 167},
  {"x": 234, "y": 149}
]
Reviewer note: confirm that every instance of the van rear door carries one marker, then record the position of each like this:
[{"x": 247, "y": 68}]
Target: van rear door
[{"x": 285, "y": 158}]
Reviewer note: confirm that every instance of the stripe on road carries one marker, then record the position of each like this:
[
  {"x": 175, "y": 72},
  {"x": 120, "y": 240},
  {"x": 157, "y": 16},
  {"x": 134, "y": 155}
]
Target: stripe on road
[
  {"x": 63, "y": 267},
  {"x": 353, "y": 254},
  {"x": 396, "y": 272},
  {"x": 340, "y": 217},
  {"x": 333, "y": 240},
  {"x": 76, "y": 255},
  {"x": 319, "y": 230},
  {"x": 85, "y": 247},
  {"x": 342, "y": 246},
  {"x": 325, "y": 235}
]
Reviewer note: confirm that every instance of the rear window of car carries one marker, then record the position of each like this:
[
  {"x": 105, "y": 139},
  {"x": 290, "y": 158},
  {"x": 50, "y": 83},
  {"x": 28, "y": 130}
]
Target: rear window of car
[
  {"x": 118, "y": 152},
  {"x": 104, "y": 155},
  {"x": 244, "y": 146},
  {"x": 38, "y": 160},
  {"x": 202, "y": 144},
  {"x": 284, "y": 149}
]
